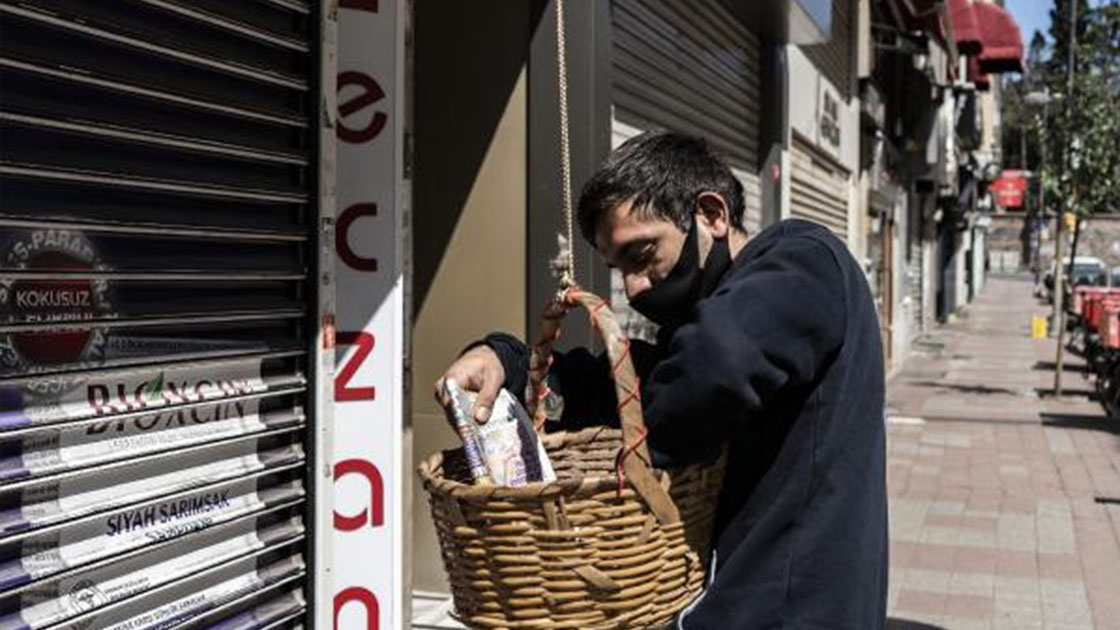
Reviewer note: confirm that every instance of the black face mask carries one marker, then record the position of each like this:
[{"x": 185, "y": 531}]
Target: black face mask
[{"x": 670, "y": 302}]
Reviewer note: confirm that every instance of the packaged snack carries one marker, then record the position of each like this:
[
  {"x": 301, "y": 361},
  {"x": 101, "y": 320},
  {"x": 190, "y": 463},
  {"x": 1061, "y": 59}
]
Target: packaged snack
[{"x": 505, "y": 450}]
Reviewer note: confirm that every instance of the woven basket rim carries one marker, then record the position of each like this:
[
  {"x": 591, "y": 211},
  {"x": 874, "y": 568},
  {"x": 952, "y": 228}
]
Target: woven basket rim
[{"x": 439, "y": 484}]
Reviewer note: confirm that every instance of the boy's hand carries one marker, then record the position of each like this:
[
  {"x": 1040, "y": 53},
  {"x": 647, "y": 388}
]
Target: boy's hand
[{"x": 478, "y": 370}]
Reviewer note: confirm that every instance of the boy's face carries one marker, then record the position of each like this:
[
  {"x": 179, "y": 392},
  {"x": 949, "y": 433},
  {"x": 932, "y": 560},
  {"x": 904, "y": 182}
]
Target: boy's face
[{"x": 643, "y": 248}]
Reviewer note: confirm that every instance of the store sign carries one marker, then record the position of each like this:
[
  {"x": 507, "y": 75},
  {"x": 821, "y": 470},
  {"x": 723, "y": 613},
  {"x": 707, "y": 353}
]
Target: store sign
[
  {"x": 48, "y": 299},
  {"x": 830, "y": 120},
  {"x": 135, "y": 526},
  {"x": 1010, "y": 189},
  {"x": 96, "y": 590},
  {"x": 368, "y": 388},
  {"x": 830, "y": 132}
]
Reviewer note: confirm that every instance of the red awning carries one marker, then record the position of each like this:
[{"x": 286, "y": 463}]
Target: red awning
[
  {"x": 976, "y": 76},
  {"x": 966, "y": 28},
  {"x": 985, "y": 30},
  {"x": 1003, "y": 45}
]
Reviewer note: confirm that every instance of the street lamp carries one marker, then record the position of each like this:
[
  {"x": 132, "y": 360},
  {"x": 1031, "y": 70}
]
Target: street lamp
[{"x": 1040, "y": 99}]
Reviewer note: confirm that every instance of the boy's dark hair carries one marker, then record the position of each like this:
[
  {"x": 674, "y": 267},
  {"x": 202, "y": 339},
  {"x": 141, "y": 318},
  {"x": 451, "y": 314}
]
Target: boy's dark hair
[{"x": 662, "y": 172}]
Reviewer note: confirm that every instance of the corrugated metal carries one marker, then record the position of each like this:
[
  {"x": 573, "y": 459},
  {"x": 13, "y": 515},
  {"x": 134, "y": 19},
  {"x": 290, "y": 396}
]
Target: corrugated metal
[
  {"x": 834, "y": 58},
  {"x": 913, "y": 289},
  {"x": 157, "y": 198},
  {"x": 818, "y": 188},
  {"x": 693, "y": 68}
]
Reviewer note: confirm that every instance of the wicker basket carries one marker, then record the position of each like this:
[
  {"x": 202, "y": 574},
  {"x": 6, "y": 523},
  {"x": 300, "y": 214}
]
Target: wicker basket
[{"x": 612, "y": 543}]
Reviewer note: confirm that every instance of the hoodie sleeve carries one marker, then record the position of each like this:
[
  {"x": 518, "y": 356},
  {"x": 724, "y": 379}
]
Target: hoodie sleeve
[{"x": 761, "y": 339}]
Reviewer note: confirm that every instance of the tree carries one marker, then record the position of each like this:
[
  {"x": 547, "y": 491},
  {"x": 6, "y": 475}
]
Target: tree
[
  {"x": 1083, "y": 134},
  {"x": 1060, "y": 34}
]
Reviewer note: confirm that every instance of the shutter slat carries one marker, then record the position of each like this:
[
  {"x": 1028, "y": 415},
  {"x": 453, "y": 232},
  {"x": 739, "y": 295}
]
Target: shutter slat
[
  {"x": 165, "y": 589},
  {"x": 124, "y": 180},
  {"x": 258, "y": 611},
  {"x": 139, "y": 322},
  {"x": 74, "y": 568},
  {"x": 268, "y": 480},
  {"x": 157, "y": 140},
  {"x": 29, "y": 221},
  {"x": 280, "y": 386},
  {"x": 85, "y": 76},
  {"x": 818, "y": 188},
  {"x": 107, "y": 37},
  {"x": 226, "y": 24},
  {"x": 96, "y": 457},
  {"x": 271, "y": 607},
  {"x": 39, "y": 379},
  {"x": 120, "y": 464},
  {"x": 151, "y": 275}
]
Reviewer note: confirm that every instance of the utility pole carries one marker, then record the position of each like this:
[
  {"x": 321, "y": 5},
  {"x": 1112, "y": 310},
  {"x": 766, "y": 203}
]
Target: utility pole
[
  {"x": 1040, "y": 216},
  {"x": 1059, "y": 283}
]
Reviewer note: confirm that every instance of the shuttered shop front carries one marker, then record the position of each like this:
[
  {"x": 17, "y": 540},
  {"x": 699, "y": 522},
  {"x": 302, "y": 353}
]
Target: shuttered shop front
[
  {"x": 157, "y": 194},
  {"x": 818, "y": 188},
  {"x": 695, "y": 68}
]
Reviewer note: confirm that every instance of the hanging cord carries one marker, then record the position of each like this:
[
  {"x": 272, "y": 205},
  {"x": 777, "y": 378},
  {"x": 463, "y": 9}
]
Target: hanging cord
[{"x": 567, "y": 263}]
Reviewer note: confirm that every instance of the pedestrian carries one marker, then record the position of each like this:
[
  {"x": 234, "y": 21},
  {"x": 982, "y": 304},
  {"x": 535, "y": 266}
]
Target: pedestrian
[{"x": 768, "y": 345}]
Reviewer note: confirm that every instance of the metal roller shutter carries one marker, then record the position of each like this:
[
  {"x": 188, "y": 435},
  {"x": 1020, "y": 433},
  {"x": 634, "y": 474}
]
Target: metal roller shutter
[
  {"x": 695, "y": 68},
  {"x": 158, "y": 179},
  {"x": 818, "y": 188}
]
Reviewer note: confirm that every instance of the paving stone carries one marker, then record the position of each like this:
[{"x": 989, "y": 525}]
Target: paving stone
[{"x": 994, "y": 522}]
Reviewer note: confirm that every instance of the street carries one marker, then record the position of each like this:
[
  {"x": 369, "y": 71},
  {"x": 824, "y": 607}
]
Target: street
[{"x": 1004, "y": 502}]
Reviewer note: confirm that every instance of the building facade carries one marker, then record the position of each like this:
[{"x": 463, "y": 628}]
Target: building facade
[{"x": 239, "y": 241}]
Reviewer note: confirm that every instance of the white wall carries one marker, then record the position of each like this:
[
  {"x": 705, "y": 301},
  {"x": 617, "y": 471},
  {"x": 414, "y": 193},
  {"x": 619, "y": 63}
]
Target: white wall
[
  {"x": 903, "y": 305},
  {"x": 963, "y": 240},
  {"x": 980, "y": 246},
  {"x": 806, "y": 92},
  {"x": 804, "y": 107}
]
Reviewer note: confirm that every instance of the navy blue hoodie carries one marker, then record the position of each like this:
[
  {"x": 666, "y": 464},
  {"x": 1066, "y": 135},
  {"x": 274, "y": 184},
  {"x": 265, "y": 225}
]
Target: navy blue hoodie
[{"x": 783, "y": 363}]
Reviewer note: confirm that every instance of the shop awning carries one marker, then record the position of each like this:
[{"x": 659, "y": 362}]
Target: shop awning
[
  {"x": 1003, "y": 45},
  {"x": 966, "y": 28},
  {"x": 976, "y": 76},
  {"x": 986, "y": 31}
]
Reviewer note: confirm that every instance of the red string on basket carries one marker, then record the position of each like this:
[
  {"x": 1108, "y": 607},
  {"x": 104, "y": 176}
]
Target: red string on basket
[
  {"x": 547, "y": 362},
  {"x": 625, "y": 452}
]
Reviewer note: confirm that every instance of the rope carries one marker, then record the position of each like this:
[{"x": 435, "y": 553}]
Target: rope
[{"x": 568, "y": 275}]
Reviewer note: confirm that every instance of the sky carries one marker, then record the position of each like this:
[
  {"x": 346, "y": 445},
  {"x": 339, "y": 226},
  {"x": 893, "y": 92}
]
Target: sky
[
  {"x": 1031, "y": 15},
  {"x": 1034, "y": 15}
]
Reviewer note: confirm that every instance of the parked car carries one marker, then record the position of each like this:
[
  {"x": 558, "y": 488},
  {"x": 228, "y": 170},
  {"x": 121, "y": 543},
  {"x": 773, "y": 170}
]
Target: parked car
[{"x": 1087, "y": 270}]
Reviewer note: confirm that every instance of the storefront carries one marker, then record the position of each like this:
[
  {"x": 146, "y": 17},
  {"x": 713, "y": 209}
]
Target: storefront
[
  {"x": 173, "y": 422},
  {"x": 221, "y": 322},
  {"x": 823, "y": 140},
  {"x": 159, "y": 372}
]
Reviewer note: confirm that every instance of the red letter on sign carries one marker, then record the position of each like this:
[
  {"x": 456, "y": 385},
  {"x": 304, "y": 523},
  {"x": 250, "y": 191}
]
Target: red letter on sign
[
  {"x": 365, "y": 598},
  {"x": 376, "y": 499},
  {"x": 342, "y": 390},
  {"x": 360, "y": 5},
  {"x": 371, "y": 93},
  {"x": 342, "y": 234}
]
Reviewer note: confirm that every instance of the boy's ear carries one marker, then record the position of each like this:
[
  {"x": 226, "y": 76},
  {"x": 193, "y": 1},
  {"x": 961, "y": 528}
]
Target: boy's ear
[{"x": 712, "y": 210}]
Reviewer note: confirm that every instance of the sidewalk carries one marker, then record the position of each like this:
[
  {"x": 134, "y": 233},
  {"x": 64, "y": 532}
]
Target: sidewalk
[{"x": 1005, "y": 502}]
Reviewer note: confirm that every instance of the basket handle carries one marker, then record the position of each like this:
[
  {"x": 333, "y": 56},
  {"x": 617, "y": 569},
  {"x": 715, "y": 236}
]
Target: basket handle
[{"x": 634, "y": 459}]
